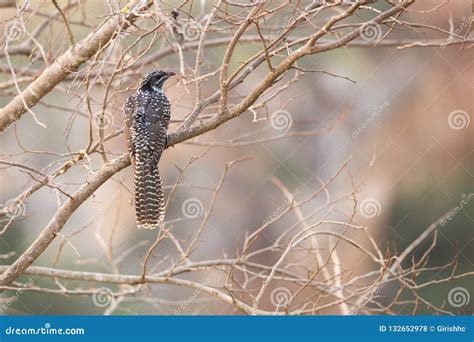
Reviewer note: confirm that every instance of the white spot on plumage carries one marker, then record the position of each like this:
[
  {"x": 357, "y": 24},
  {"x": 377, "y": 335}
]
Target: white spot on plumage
[{"x": 148, "y": 118}]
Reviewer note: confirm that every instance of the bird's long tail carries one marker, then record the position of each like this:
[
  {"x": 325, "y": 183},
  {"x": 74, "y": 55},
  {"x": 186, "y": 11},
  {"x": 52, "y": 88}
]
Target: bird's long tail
[{"x": 149, "y": 198}]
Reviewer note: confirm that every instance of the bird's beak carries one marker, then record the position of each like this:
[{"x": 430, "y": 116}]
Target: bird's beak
[{"x": 171, "y": 74}]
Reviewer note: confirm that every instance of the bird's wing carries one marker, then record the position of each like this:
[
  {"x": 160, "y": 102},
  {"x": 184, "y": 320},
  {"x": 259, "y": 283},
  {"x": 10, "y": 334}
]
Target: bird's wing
[{"x": 157, "y": 109}]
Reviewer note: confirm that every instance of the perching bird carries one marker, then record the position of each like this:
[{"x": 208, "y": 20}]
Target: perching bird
[{"x": 146, "y": 118}]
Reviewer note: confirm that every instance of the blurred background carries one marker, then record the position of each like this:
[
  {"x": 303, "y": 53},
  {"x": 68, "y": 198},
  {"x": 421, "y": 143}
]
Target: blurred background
[{"x": 402, "y": 117}]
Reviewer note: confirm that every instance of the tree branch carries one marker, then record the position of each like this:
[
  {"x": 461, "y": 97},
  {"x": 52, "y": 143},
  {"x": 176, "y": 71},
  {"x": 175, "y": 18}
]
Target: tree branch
[{"x": 67, "y": 63}]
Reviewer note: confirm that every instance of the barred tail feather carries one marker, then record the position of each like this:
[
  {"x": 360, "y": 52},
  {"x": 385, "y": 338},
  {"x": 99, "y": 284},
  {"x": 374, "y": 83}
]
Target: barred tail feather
[{"x": 149, "y": 198}]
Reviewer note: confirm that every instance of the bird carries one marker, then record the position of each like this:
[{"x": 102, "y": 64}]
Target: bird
[{"x": 146, "y": 117}]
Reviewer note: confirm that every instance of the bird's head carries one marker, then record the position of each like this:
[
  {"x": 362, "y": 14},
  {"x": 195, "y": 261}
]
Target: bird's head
[{"x": 155, "y": 79}]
